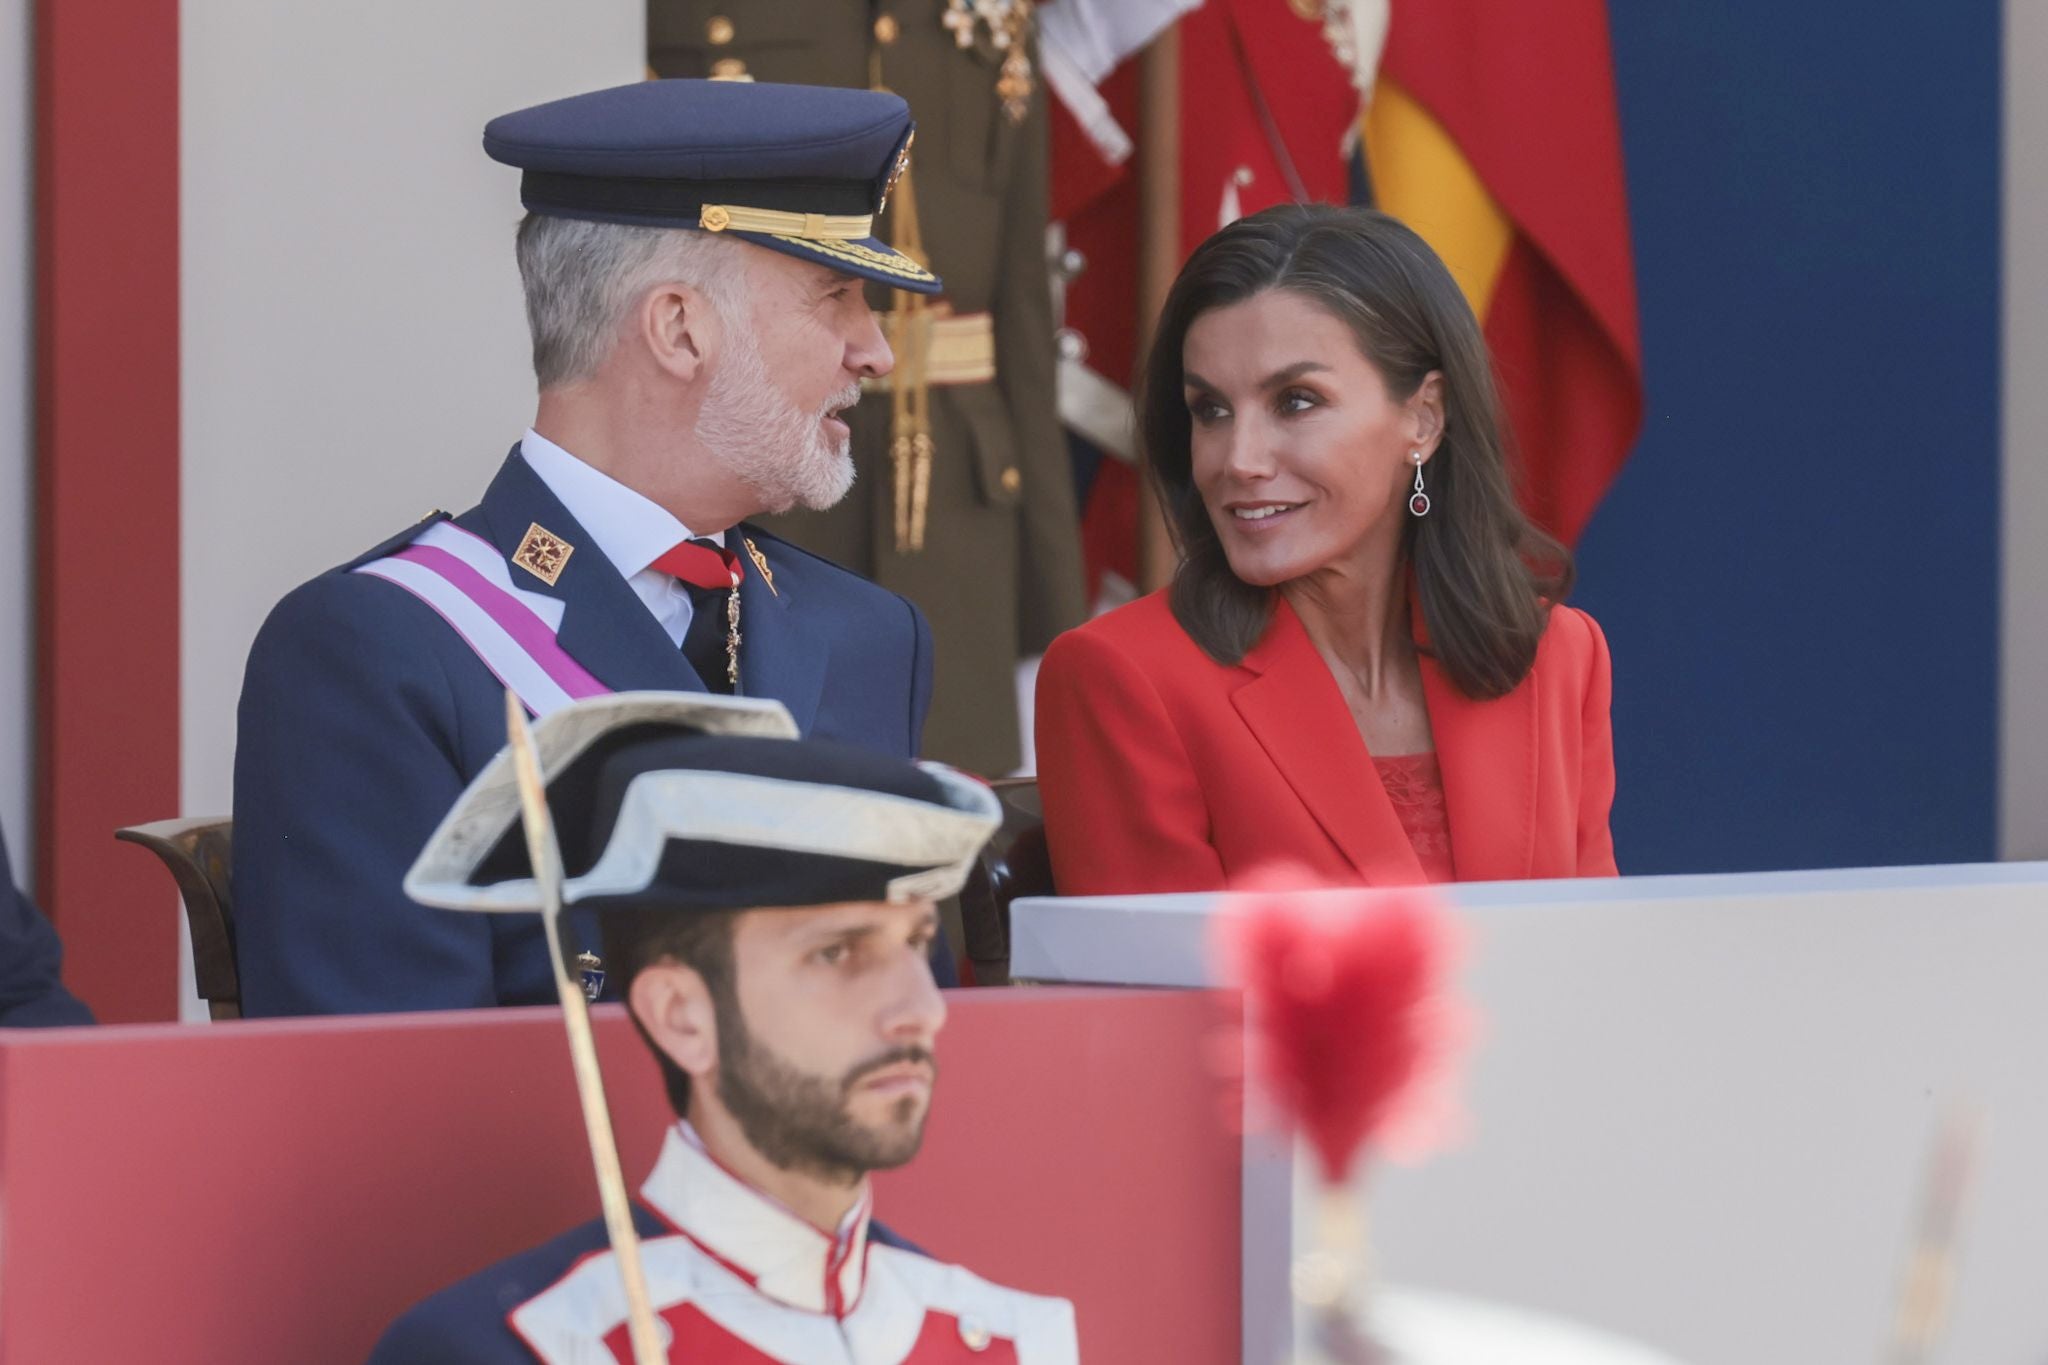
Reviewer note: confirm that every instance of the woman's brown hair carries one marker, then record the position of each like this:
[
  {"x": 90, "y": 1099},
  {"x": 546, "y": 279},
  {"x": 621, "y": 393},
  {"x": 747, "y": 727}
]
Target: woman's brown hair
[{"x": 1484, "y": 574}]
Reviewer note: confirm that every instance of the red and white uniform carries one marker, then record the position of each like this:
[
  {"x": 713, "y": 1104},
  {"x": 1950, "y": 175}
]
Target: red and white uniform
[{"x": 738, "y": 1277}]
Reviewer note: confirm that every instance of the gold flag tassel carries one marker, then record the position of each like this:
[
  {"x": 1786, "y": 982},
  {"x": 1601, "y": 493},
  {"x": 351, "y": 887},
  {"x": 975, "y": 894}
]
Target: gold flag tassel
[
  {"x": 910, "y": 396},
  {"x": 545, "y": 856}
]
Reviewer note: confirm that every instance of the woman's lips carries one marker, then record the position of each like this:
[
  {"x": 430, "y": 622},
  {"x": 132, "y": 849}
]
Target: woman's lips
[{"x": 1256, "y": 518}]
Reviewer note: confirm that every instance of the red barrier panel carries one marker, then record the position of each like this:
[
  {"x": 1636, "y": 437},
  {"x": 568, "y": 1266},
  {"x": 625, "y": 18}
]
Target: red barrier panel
[{"x": 263, "y": 1192}]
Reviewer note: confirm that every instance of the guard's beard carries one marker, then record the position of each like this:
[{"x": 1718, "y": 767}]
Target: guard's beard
[
  {"x": 772, "y": 446},
  {"x": 798, "y": 1120}
]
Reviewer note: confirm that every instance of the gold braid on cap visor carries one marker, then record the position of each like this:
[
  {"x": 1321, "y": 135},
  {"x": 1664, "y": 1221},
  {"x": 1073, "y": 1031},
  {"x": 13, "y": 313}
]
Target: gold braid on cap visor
[{"x": 809, "y": 227}]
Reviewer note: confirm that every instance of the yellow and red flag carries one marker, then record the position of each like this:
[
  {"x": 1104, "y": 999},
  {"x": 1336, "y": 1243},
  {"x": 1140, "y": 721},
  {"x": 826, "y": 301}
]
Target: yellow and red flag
[{"x": 1493, "y": 132}]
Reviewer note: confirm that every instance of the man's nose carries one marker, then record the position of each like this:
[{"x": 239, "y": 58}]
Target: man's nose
[
  {"x": 916, "y": 1010},
  {"x": 867, "y": 350}
]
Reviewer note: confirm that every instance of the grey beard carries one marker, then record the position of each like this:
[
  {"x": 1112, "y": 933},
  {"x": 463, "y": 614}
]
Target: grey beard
[{"x": 767, "y": 442}]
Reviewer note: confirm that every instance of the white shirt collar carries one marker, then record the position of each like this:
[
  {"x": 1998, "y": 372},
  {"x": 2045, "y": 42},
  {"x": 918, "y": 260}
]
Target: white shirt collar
[
  {"x": 631, "y": 529},
  {"x": 785, "y": 1257}
]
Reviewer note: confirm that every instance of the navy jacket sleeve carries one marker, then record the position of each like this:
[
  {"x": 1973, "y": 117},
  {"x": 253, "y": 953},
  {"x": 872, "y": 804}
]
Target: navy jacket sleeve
[
  {"x": 348, "y": 754},
  {"x": 920, "y": 677},
  {"x": 30, "y": 956}
]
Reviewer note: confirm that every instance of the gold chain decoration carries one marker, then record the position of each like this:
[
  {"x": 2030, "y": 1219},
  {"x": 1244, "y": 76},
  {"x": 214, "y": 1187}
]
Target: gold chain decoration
[
  {"x": 910, "y": 397},
  {"x": 1009, "y": 28},
  {"x": 732, "y": 633}
]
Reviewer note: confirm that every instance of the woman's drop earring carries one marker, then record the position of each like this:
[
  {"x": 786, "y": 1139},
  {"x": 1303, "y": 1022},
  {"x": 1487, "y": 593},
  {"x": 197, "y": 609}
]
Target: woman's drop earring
[{"x": 1418, "y": 504}]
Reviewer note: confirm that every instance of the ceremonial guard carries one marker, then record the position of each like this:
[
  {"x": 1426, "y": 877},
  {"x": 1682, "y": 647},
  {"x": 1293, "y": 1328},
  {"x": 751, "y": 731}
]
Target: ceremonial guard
[
  {"x": 692, "y": 258},
  {"x": 796, "y": 1042},
  {"x": 965, "y": 501}
]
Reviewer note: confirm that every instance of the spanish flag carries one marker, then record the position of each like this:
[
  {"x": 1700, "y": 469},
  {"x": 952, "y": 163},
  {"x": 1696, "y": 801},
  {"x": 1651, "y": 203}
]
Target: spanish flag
[{"x": 1492, "y": 131}]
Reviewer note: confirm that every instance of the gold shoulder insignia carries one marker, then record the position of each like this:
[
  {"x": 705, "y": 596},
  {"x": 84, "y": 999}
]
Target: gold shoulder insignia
[
  {"x": 761, "y": 563},
  {"x": 543, "y": 554}
]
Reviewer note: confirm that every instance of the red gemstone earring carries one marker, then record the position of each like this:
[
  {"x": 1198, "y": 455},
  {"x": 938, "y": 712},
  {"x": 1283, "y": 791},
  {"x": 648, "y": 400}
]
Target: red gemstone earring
[{"x": 1418, "y": 504}]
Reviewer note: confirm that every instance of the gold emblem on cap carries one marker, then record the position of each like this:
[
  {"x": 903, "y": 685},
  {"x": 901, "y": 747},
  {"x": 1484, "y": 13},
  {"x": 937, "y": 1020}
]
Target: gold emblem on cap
[
  {"x": 896, "y": 172},
  {"x": 809, "y": 227},
  {"x": 719, "y": 31},
  {"x": 761, "y": 563},
  {"x": 543, "y": 554}
]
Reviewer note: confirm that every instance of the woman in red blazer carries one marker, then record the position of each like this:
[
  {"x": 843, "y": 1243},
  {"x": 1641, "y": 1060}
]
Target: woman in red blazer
[{"x": 1360, "y": 668}]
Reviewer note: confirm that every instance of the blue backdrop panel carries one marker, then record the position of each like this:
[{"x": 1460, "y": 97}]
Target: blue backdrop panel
[{"x": 1798, "y": 568}]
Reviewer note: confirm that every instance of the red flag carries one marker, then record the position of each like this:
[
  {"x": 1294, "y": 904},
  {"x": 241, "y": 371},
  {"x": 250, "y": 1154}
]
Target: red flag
[{"x": 1525, "y": 95}]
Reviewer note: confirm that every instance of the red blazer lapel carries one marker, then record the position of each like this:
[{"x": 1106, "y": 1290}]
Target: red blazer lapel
[
  {"x": 1486, "y": 751},
  {"x": 1297, "y": 714}
]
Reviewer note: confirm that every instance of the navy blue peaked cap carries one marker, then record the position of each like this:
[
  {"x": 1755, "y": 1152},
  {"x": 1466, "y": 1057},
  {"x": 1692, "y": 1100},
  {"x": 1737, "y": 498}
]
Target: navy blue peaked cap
[
  {"x": 695, "y": 803},
  {"x": 799, "y": 169}
]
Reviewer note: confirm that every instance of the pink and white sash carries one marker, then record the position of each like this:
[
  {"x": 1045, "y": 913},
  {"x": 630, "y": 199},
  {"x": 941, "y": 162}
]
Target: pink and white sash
[{"x": 464, "y": 578}]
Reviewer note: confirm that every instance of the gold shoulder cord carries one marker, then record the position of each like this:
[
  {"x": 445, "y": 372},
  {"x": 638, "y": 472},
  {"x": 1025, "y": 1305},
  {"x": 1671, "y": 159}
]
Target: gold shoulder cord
[{"x": 910, "y": 395}]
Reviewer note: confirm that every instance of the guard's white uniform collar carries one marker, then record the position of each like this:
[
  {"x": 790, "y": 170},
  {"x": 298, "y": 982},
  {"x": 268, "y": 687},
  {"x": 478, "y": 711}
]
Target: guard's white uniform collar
[{"x": 781, "y": 1254}]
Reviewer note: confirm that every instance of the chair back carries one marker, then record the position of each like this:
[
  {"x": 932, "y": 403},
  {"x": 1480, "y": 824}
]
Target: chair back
[
  {"x": 1015, "y": 863},
  {"x": 199, "y": 853}
]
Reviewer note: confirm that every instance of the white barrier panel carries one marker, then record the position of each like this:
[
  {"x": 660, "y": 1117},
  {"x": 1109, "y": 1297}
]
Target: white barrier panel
[{"x": 1702, "y": 1108}]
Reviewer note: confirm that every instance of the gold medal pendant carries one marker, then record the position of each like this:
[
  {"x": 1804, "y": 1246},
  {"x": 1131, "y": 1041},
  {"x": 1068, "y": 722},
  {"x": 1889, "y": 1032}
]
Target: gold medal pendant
[{"x": 1008, "y": 23}]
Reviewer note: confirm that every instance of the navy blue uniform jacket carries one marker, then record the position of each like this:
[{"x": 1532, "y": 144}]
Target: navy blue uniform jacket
[
  {"x": 465, "y": 1324},
  {"x": 364, "y": 714},
  {"x": 30, "y": 993}
]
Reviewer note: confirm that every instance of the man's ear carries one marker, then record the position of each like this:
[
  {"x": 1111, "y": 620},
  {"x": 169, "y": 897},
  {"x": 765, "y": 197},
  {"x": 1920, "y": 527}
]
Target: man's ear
[
  {"x": 680, "y": 328},
  {"x": 674, "y": 1005},
  {"x": 1426, "y": 414}
]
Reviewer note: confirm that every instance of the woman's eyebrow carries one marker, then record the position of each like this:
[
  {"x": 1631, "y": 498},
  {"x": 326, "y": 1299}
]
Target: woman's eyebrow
[
  {"x": 1292, "y": 373},
  {"x": 1191, "y": 380}
]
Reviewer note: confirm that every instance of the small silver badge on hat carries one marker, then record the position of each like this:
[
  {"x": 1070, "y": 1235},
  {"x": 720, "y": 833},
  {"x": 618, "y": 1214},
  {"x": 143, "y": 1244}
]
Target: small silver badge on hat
[
  {"x": 543, "y": 553},
  {"x": 975, "y": 1335},
  {"x": 590, "y": 967}
]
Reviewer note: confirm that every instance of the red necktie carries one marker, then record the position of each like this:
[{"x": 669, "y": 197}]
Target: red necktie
[
  {"x": 712, "y": 642},
  {"x": 701, "y": 564}
]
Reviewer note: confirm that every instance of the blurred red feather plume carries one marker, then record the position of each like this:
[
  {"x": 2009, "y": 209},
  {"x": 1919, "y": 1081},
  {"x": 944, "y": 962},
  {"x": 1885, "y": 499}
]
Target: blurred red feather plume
[{"x": 1354, "y": 1034}]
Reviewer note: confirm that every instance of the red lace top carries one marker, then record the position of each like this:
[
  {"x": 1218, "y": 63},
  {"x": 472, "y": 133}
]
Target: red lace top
[{"x": 1416, "y": 787}]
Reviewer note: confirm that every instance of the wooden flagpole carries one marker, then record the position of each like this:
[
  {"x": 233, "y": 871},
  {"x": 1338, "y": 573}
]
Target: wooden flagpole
[{"x": 1158, "y": 257}]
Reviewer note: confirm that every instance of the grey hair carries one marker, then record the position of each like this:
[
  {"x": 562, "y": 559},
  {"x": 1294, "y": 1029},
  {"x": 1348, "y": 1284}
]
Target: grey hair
[{"x": 582, "y": 278}]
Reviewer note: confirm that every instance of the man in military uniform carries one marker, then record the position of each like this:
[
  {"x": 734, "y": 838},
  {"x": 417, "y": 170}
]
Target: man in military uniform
[
  {"x": 692, "y": 255},
  {"x": 796, "y": 1043},
  {"x": 978, "y": 527}
]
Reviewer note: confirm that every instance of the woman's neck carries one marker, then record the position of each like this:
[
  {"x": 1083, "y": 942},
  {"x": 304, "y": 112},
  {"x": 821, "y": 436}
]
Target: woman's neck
[{"x": 1356, "y": 615}]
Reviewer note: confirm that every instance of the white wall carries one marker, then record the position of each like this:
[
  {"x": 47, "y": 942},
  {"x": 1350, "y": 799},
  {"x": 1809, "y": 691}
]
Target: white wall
[
  {"x": 353, "y": 345},
  {"x": 17, "y": 523},
  {"x": 2023, "y": 751}
]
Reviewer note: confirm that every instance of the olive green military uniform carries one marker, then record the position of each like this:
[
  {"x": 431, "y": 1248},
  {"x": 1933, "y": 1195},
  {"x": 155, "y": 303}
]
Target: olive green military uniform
[{"x": 999, "y": 573}]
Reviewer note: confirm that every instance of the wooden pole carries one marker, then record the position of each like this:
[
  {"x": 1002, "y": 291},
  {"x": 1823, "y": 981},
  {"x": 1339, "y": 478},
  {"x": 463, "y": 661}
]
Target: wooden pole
[
  {"x": 545, "y": 857},
  {"x": 1158, "y": 256}
]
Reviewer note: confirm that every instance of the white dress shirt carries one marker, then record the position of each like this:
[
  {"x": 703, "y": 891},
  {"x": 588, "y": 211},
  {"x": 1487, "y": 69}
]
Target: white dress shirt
[{"x": 631, "y": 530}]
